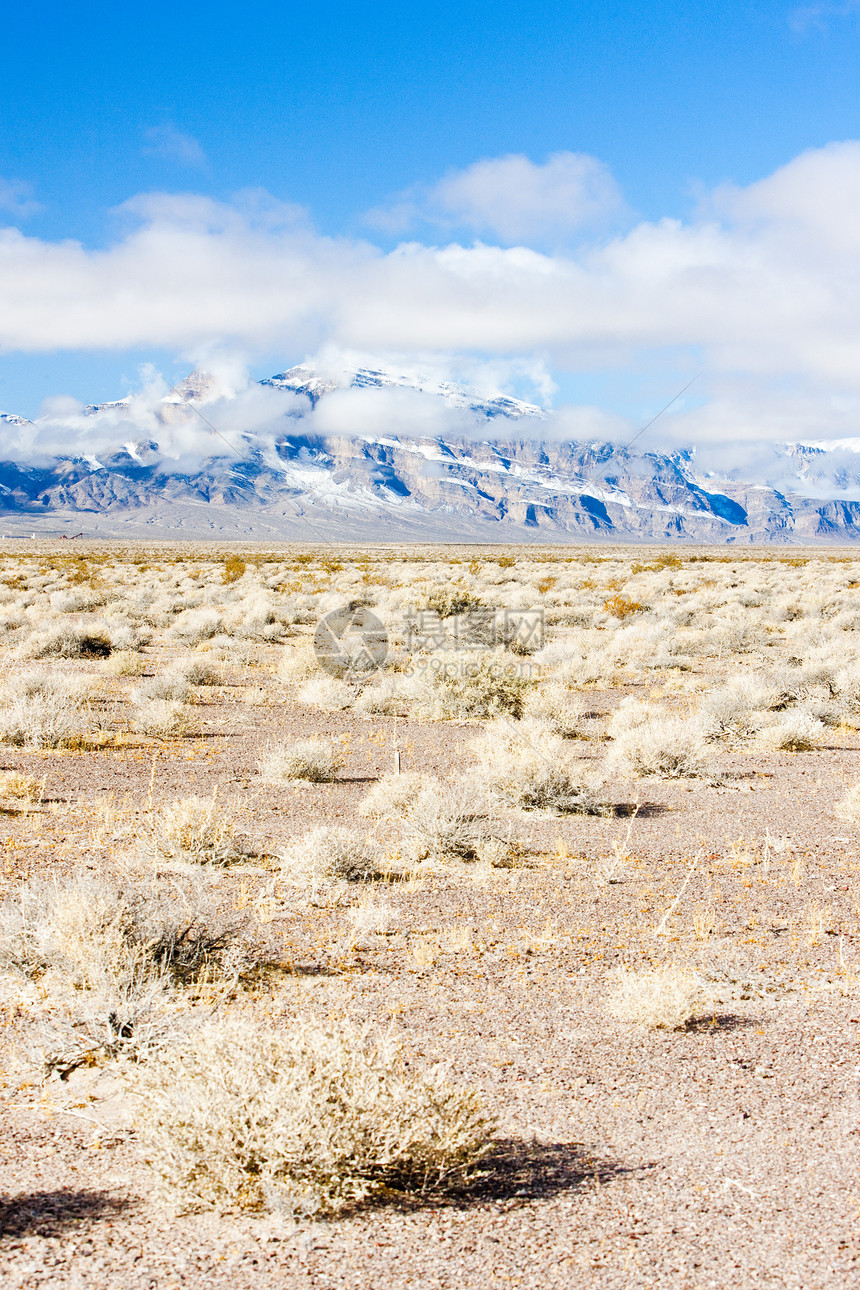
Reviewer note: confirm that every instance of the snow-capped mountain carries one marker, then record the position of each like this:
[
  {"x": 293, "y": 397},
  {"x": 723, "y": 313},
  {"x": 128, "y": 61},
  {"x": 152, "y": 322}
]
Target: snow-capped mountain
[
  {"x": 305, "y": 380},
  {"x": 202, "y": 461}
]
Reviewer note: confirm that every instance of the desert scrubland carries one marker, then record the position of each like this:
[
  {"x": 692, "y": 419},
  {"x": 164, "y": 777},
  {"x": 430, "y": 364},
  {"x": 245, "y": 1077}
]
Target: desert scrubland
[{"x": 528, "y": 955}]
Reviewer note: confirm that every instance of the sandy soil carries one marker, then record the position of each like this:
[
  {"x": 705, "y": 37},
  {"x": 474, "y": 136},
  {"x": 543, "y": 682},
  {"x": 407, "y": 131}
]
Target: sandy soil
[{"x": 724, "y": 1154}]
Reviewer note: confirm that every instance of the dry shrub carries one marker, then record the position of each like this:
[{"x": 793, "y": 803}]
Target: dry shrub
[
  {"x": 484, "y": 684},
  {"x": 17, "y": 787},
  {"x": 69, "y": 640},
  {"x": 391, "y": 794},
  {"x": 298, "y": 663},
  {"x": 237, "y": 1116},
  {"x": 372, "y": 918},
  {"x": 41, "y": 720},
  {"x": 795, "y": 730},
  {"x": 316, "y": 760},
  {"x": 201, "y": 671},
  {"x": 81, "y": 928},
  {"x": 194, "y": 830},
  {"x": 88, "y": 933},
  {"x": 559, "y": 706},
  {"x": 327, "y": 693},
  {"x": 452, "y": 599},
  {"x": 124, "y": 662},
  {"x": 75, "y": 600},
  {"x": 664, "y": 998},
  {"x": 193, "y": 626},
  {"x": 621, "y": 607},
  {"x": 234, "y": 569},
  {"x": 172, "y": 684},
  {"x": 329, "y": 855},
  {"x": 529, "y": 767},
  {"x": 648, "y": 742},
  {"x": 433, "y": 819},
  {"x": 161, "y": 718},
  {"x": 121, "y": 1019},
  {"x": 733, "y": 713},
  {"x": 848, "y": 807},
  {"x": 108, "y": 960},
  {"x": 256, "y": 618},
  {"x": 393, "y": 696}
]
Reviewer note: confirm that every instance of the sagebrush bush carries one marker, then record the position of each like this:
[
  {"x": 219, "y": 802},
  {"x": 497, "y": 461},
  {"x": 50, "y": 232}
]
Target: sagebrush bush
[
  {"x": 329, "y": 855},
  {"x": 316, "y": 760},
  {"x": 92, "y": 933},
  {"x": 234, "y": 569},
  {"x": 298, "y": 663},
  {"x": 121, "y": 1018},
  {"x": 433, "y": 819},
  {"x": 161, "y": 718},
  {"x": 452, "y": 599},
  {"x": 390, "y": 695},
  {"x": 195, "y": 625},
  {"x": 327, "y": 693},
  {"x": 848, "y": 807},
  {"x": 124, "y": 662},
  {"x": 733, "y": 713},
  {"x": 372, "y": 918},
  {"x": 172, "y": 684},
  {"x": 488, "y": 683},
  {"x": 17, "y": 787},
  {"x": 42, "y": 712},
  {"x": 664, "y": 997},
  {"x": 69, "y": 640},
  {"x": 648, "y": 742},
  {"x": 526, "y": 765},
  {"x": 83, "y": 928},
  {"x": 239, "y": 1116},
  {"x": 622, "y": 607},
  {"x": 201, "y": 671},
  {"x": 75, "y": 600},
  {"x": 560, "y": 707},
  {"x": 391, "y": 794},
  {"x": 109, "y": 960},
  {"x": 194, "y": 830},
  {"x": 795, "y": 730}
]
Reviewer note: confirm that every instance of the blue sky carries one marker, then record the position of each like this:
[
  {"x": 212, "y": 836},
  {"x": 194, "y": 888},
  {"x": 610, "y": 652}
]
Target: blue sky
[{"x": 371, "y": 119}]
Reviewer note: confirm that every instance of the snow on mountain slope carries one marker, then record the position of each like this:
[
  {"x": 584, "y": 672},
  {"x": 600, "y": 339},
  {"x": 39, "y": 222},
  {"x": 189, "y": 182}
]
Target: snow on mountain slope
[
  {"x": 305, "y": 380},
  {"x": 258, "y": 464}
]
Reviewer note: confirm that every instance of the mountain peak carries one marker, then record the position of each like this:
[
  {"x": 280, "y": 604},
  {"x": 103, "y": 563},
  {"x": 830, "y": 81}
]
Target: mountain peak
[{"x": 307, "y": 380}]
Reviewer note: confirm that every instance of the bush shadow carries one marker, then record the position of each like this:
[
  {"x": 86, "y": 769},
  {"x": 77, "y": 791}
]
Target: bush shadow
[
  {"x": 639, "y": 810},
  {"x": 518, "y": 1171},
  {"x": 49, "y": 1213},
  {"x": 720, "y": 1021}
]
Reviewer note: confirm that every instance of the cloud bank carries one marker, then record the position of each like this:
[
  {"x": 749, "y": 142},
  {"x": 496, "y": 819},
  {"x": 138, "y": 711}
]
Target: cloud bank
[
  {"x": 173, "y": 145},
  {"x": 759, "y": 290},
  {"x": 513, "y": 199}
]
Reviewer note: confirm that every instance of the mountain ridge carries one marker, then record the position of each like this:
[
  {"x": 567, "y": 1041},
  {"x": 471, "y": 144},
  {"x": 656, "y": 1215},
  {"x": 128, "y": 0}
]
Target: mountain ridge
[{"x": 292, "y": 480}]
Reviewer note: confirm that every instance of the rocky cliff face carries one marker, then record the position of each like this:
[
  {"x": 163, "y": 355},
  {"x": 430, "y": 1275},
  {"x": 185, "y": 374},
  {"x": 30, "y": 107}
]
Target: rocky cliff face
[{"x": 504, "y": 484}]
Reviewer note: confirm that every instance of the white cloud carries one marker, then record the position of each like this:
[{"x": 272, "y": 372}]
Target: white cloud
[
  {"x": 231, "y": 407},
  {"x": 513, "y": 199},
  {"x": 806, "y": 19},
  {"x": 808, "y": 205},
  {"x": 388, "y": 412},
  {"x": 760, "y": 291},
  {"x": 173, "y": 145},
  {"x": 16, "y": 198}
]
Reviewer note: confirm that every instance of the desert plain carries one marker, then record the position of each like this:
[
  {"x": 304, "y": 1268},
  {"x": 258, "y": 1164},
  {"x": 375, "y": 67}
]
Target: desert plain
[{"x": 505, "y": 932}]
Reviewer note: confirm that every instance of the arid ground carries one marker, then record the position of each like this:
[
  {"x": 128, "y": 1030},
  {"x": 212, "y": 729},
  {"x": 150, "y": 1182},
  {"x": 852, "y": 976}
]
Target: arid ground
[{"x": 583, "y": 847}]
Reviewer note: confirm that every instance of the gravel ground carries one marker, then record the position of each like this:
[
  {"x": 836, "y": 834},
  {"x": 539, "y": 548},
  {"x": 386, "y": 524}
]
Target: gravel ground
[{"x": 721, "y": 1155}]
